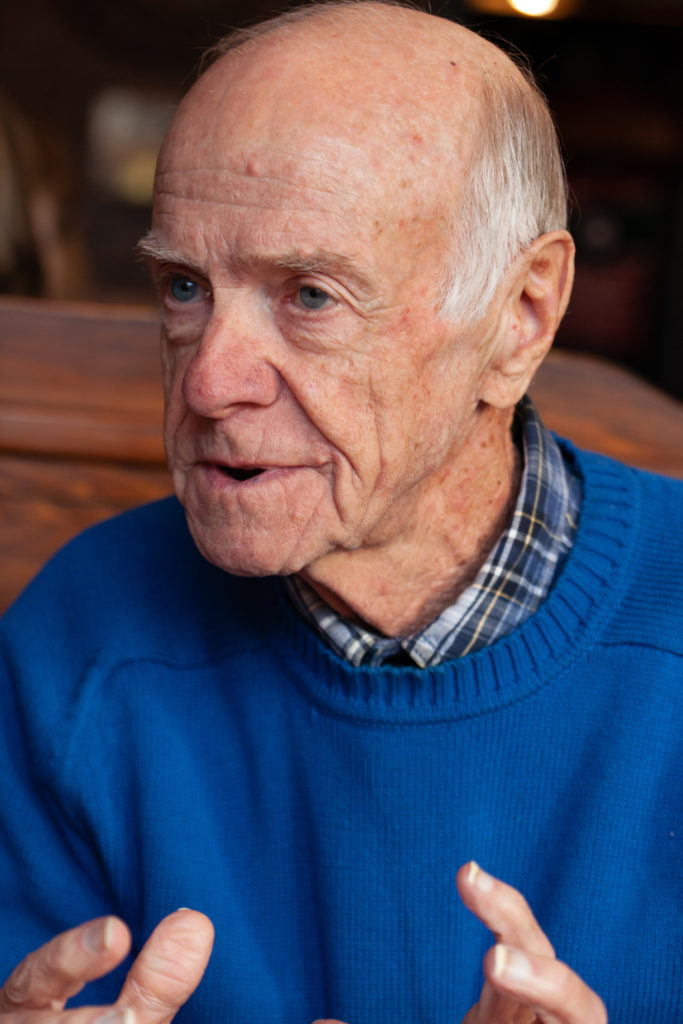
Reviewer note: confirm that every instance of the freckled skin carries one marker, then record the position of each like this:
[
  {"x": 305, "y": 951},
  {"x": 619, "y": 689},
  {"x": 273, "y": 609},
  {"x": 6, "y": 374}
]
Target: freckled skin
[{"x": 368, "y": 414}]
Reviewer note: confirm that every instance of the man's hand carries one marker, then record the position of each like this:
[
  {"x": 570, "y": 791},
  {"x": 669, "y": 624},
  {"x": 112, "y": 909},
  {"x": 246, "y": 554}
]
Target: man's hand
[
  {"x": 164, "y": 975},
  {"x": 524, "y": 982}
]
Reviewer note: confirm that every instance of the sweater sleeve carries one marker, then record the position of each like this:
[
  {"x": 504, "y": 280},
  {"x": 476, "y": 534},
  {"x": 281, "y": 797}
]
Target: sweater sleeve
[
  {"x": 51, "y": 871},
  {"x": 105, "y": 599}
]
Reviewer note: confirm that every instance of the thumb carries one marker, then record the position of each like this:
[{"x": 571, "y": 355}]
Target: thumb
[{"x": 168, "y": 968}]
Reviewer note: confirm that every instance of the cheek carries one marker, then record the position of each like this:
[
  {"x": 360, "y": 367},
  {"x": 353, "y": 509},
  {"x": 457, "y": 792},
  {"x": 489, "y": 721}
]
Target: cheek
[
  {"x": 174, "y": 364},
  {"x": 175, "y": 415},
  {"x": 336, "y": 396},
  {"x": 425, "y": 399}
]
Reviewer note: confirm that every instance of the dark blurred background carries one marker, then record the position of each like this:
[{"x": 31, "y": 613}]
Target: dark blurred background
[{"x": 86, "y": 89}]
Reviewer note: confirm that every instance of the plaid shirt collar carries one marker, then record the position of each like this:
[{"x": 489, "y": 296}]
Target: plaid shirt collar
[{"x": 516, "y": 577}]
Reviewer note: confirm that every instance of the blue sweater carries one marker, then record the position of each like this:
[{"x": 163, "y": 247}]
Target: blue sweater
[{"x": 175, "y": 736}]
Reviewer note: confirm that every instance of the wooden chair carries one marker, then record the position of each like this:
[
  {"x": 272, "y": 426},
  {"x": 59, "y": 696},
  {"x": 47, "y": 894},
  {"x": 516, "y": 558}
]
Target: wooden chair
[{"x": 81, "y": 408}]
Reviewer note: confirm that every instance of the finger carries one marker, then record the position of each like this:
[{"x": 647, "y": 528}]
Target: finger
[
  {"x": 503, "y": 1009},
  {"x": 46, "y": 978},
  {"x": 81, "y": 1015},
  {"x": 169, "y": 967},
  {"x": 543, "y": 984},
  {"x": 502, "y": 909}
]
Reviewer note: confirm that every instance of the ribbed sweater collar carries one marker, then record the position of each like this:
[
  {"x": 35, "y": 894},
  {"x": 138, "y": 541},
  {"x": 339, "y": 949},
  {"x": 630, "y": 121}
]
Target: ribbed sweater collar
[{"x": 513, "y": 668}]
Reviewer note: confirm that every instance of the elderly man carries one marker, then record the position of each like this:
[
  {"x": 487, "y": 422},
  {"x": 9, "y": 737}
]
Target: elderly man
[{"x": 359, "y": 245}]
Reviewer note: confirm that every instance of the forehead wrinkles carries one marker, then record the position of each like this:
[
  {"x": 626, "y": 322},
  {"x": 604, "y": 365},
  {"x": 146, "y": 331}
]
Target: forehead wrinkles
[
  {"x": 217, "y": 186},
  {"x": 213, "y": 214},
  {"x": 318, "y": 174}
]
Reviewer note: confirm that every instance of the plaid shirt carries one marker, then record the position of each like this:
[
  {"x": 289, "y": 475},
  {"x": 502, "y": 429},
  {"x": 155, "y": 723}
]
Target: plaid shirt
[{"x": 516, "y": 577}]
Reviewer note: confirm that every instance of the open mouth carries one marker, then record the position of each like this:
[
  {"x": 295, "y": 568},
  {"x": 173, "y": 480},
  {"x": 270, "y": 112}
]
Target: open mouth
[{"x": 240, "y": 474}]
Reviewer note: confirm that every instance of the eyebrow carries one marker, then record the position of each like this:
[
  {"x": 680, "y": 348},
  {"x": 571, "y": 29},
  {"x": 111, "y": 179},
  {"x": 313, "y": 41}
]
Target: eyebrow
[
  {"x": 150, "y": 249},
  {"x": 316, "y": 262}
]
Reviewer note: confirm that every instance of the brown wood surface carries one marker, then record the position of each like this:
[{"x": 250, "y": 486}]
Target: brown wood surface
[
  {"x": 80, "y": 425},
  {"x": 604, "y": 408},
  {"x": 81, "y": 407},
  {"x": 80, "y": 380}
]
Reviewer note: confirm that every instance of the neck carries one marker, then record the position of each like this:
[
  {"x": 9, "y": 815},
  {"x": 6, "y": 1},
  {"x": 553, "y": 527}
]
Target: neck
[{"x": 399, "y": 586}]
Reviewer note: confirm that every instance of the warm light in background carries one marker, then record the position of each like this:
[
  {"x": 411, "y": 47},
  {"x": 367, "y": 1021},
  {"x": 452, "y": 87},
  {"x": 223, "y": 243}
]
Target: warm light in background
[
  {"x": 527, "y": 8},
  {"x": 534, "y": 8}
]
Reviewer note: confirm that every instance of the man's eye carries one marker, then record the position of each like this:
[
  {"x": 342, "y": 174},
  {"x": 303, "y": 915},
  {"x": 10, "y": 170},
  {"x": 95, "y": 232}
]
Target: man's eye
[
  {"x": 312, "y": 298},
  {"x": 183, "y": 289}
]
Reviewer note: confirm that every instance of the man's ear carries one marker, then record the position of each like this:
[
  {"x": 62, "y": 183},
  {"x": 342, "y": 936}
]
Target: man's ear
[{"x": 535, "y": 298}]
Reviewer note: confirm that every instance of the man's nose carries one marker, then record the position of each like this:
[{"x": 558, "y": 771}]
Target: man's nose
[{"x": 232, "y": 365}]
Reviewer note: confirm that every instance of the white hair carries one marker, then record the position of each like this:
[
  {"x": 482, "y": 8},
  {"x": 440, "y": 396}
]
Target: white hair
[{"x": 515, "y": 190}]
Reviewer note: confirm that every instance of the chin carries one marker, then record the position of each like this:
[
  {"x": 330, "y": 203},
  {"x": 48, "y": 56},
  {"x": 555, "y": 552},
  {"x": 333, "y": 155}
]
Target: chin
[
  {"x": 273, "y": 524},
  {"x": 248, "y": 556}
]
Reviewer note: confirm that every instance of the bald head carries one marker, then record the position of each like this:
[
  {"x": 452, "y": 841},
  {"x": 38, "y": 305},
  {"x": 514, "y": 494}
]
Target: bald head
[
  {"x": 458, "y": 119},
  {"x": 366, "y": 75}
]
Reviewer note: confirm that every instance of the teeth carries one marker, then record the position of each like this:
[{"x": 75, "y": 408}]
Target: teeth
[{"x": 241, "y": 474}]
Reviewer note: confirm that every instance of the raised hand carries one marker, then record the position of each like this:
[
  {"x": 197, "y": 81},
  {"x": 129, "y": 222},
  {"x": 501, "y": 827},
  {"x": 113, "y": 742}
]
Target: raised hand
[
  {"x": 524, "y": 983},
  {"x": 163, "y": 976}
]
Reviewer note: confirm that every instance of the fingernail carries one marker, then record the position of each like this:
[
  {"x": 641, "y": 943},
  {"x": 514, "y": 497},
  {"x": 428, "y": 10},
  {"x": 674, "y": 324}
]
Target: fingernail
[
  {"x": 478, "y": 878},
  {"x": 117, "y": 1015},
  {"x": 97, "y": 937},
  {"x": 511, "y": 965}
]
